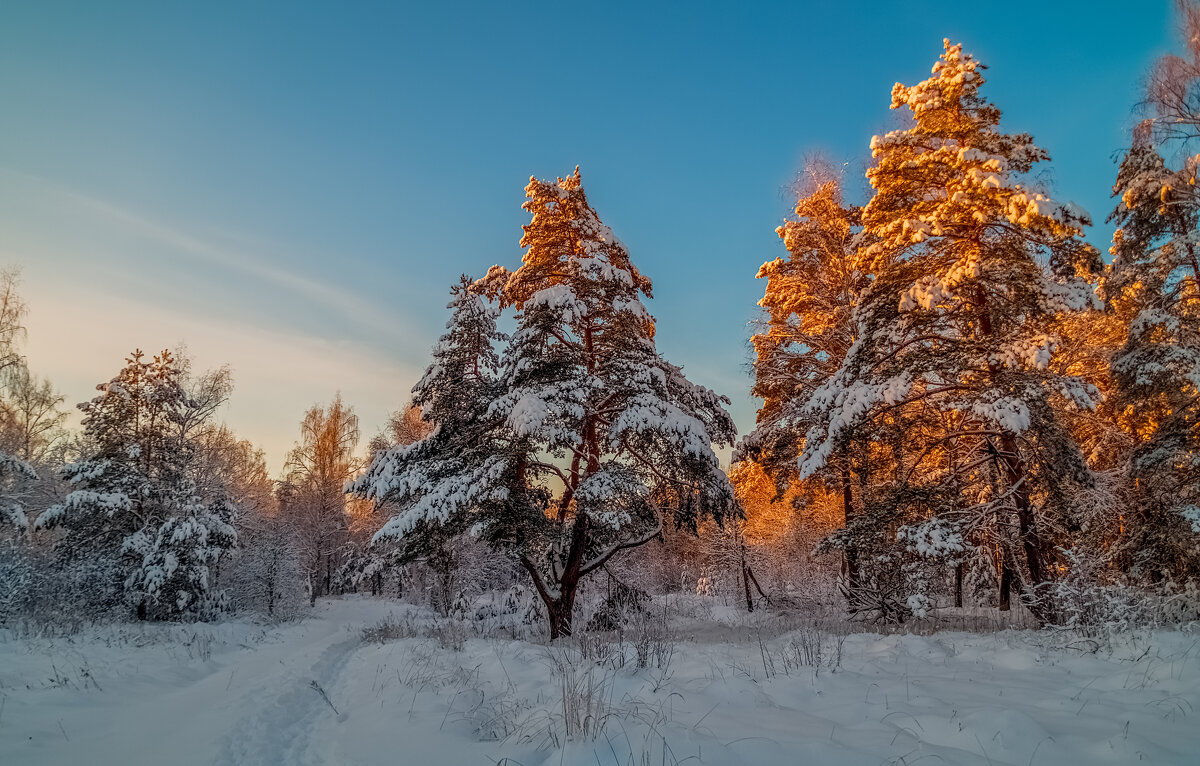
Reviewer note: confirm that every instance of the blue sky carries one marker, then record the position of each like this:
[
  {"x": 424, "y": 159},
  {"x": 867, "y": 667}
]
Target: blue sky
[{"x": 291, "y": 188}]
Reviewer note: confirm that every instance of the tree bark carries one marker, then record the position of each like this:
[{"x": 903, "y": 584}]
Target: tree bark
[
  {"x": 746, "y": 580},
  {"x": 1014, "y": 469},
  {"x": 1015, "y": 476},
  {"x": 849, "y": 554},
  {"x": 561, "y": 613},
  {"x": 560, "y": 608},
  {"x": 1006, "y": 580},
  {"x": 958, "y": 585},
  {"x": 757, "y": 587},
  {"x": 564, "y": 606}
]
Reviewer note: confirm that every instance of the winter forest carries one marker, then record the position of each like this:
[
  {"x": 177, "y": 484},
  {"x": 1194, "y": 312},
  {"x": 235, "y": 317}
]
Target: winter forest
[{"x": 964, "y": 527}]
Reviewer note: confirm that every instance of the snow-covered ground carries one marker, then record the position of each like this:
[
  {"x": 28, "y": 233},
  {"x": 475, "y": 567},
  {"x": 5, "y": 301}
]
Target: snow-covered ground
[{"x": 315, "y": 692}]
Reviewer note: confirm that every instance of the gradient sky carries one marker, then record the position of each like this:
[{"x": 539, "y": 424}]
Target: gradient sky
[{"x": 291, "y": 188}]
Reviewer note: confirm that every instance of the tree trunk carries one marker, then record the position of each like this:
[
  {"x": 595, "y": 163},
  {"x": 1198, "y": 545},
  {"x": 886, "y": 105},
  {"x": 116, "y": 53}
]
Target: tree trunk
[
  {"x": 958, "y": 586},
  {"x": 560, "y": 608},
  {"x": 849, "y": 554},
  {"x": 1014, "y": 469},
  {"x": 1015, "y": 476},
  {"x": 1031, "y": 541},
  {"x": 328, "y": 574},
  {"x": 1006, "y": 580},
  {"x": 746, "y": 581},
  {"x": 447, "y": 588},
  {"x": 561, "y": 611},
  {"x": 757, "y": 587}
]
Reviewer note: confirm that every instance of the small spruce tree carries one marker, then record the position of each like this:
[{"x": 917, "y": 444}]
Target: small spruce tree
[
  {"x": 133, "y": 504},
  {"x": 435, "y": 486}
]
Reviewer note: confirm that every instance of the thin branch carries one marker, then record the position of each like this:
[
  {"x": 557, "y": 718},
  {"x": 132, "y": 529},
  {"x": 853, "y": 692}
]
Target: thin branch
[
  {"x": 537, "y": 580},
  {"x": 554, "y": 468},
  {"x": 648, "y": 464},
  {"x": 600, "y": 560}
]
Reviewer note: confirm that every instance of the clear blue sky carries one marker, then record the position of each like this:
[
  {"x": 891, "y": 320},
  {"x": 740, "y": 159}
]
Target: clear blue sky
[{"x": 292, "y": 187}]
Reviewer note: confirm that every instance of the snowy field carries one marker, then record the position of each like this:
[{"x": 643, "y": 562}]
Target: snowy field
[{"x": 319, "y": 692}]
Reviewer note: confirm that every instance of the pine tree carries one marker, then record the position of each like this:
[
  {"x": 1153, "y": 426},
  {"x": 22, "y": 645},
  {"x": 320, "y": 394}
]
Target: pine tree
[
  {"x": 1154, "y": 290},
  {"x": 957, "y": 334},
  {"x": 807, "y": 330},
  {"x": 433, "y": 486},
  {"x": 588, "y": 401},
  {"x": 134, "y": 504},
  {"x": 585, "y": 438}
]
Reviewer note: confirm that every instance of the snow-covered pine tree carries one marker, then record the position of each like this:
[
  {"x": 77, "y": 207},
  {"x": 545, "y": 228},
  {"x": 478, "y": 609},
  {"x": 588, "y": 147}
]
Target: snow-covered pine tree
[
  {"x": 587, "y": 438},
  {"x": 134, "y": 505},
  {"x": 1087, "y": 341},
  {"x": 806, "y": 331},
  {"x": 368, "y": 564},
  {"x": 435, "y": 486},
  {"x": 1154, "y": 289},
  {"x": 590, "y": 409},
  {"x": 959, "y": 327}
]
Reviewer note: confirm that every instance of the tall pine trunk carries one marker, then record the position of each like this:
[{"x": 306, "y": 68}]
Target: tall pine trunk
[
  {"x": 560, "y": 611},
  {"x": 1006, "y": 579},
  {"x": 561, "y": 614},
  {"x": 958, "y": 585},
  {"x": 560, "y": 607},
  {"x": 1016, "y": 478},
  {"x": 849, "y": 553},
  {"x": 1031, "y": 541}
]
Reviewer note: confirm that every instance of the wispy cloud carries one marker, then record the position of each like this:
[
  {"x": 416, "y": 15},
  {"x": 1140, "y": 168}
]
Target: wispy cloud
[
  {"x": 349, "y": 305},
  {"x": 78, "y": 338},
  {"x": 80, "y": 331}
]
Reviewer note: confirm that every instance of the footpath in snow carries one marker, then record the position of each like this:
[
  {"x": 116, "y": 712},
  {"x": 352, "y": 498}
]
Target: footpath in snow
[{"x": 316, "y": 692}]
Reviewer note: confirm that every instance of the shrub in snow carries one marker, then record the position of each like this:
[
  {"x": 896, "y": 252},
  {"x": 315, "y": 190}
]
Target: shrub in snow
[
  {"x": 919, "y": 605},
  {"x": 522, "y": 604},
  {"x": 14, "y": 475},
  {"x": 1090, "y": 607},
  {"x": 46, "y": 594},
  {"x": 622, "y": 604},
  {"x": 515, "y": 599},
  {"x": 461, "y": 606},
  {"x": 17, "y": 582}
]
